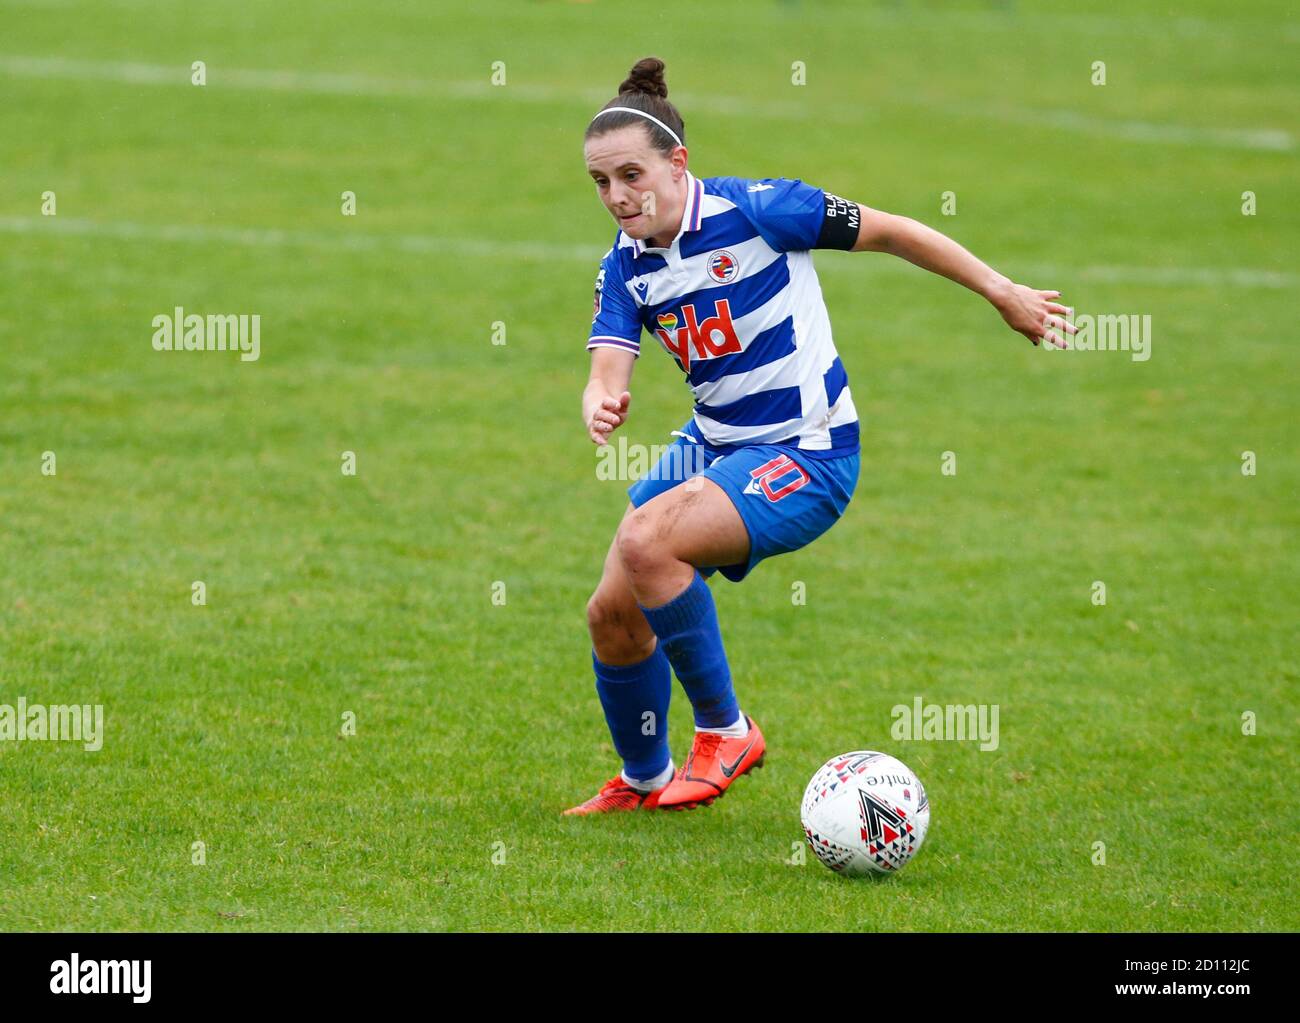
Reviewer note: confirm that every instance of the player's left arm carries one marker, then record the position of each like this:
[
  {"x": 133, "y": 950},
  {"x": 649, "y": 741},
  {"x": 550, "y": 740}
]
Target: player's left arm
[{"x": 1035, "y": 314}]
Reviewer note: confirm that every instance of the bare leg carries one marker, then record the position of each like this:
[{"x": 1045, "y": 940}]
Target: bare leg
[
  {"x": 661, "y": 543},
  {"x": 619, "y": 632}
]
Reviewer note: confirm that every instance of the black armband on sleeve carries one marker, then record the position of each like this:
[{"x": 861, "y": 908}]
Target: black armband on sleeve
[{"x": 840, "y": 225}]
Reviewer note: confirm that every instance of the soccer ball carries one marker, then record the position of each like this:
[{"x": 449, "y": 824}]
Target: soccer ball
[{"x": 865, "y": 813}]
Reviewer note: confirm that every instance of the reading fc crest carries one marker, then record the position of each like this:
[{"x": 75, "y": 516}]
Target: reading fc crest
[{"x": 723, "y": 266}]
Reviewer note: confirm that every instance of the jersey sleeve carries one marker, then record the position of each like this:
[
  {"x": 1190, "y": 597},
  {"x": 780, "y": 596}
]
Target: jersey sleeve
[
  {"x": 793, "y": 216},
  {"x": 614, "y": 323}
]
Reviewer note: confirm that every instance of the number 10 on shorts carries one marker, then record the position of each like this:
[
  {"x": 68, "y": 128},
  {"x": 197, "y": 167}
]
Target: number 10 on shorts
[{"x": 777, "y": 468}]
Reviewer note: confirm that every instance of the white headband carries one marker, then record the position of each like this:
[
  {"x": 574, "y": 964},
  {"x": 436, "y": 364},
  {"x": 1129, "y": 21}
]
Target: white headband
[{"x": 648, "y": 117}]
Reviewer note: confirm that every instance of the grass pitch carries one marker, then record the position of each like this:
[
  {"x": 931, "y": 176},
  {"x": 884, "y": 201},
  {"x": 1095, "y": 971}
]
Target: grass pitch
[{"x": 372, "y": 595}]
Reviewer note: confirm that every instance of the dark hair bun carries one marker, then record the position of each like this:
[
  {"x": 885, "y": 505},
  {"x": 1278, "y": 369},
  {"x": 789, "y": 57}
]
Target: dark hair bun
[
  {"x": 647, "y": 75},
  {"x": 644, "y": 92}
]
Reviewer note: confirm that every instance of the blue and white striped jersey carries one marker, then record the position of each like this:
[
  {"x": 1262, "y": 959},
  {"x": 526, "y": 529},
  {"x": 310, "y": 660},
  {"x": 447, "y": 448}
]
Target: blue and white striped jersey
[{"x": 735, "y": 300}]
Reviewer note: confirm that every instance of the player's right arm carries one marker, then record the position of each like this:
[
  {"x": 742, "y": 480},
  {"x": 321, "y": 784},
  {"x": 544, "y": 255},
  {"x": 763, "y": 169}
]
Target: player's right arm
[
  {"x": 614, "y": 343},
  {"x": 606, "y": 399}
]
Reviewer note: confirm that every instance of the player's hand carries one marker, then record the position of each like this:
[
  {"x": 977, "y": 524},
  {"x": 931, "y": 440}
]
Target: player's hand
[
  {"x": 608, "y": 416},
  {"x": 1035, "y": 314}
]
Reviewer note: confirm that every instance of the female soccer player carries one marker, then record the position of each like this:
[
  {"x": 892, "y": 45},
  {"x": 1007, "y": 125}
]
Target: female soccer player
[{"x": 720, "y": 271}]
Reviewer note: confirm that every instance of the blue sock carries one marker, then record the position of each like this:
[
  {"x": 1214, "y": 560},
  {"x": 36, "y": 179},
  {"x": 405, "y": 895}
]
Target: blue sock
[
  {"x": 687, "y": 627},
  {"x": 627, "y": 692}
]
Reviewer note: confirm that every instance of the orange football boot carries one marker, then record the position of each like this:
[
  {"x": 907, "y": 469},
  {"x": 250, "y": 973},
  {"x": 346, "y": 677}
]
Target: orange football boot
[
  {"x": 616, "y": 794},
  {"x": 715, "y": 762}
]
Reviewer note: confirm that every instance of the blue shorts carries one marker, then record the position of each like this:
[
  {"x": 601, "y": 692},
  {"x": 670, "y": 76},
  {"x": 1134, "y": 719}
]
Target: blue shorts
[{"x": 785, "y": 498}]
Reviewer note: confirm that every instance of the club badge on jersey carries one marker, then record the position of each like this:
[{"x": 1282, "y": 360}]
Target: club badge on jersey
[{"x": 723, "y": 266}]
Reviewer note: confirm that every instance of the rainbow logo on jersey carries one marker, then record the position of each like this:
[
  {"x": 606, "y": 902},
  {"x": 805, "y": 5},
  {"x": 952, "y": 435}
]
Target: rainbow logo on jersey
[{"x": 709, "y": 338}]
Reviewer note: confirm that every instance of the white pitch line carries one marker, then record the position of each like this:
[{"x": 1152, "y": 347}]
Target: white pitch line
[
  {"x": 350, "y": 84},
  {"x": 357, "y": 241},
  {"x": 488, "y": 248},
  {"x": 1265, "y": 139}
]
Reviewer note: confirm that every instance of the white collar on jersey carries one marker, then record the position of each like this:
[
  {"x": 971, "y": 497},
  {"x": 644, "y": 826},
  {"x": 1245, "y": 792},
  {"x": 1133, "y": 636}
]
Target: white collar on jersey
[{"x": 691, "y": 215}]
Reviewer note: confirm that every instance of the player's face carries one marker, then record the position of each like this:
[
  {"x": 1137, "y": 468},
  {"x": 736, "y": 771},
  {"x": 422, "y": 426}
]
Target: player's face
[{"x": 638, "y": 185}]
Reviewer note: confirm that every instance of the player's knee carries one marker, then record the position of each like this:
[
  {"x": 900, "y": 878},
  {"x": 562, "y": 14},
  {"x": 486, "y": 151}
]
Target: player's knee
[
  {"x": 638, "y": 548},
  {"x": 600, "y": 616},
  {"x": 604, "y": 615},
  {"x": 619, "y": 632}
]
